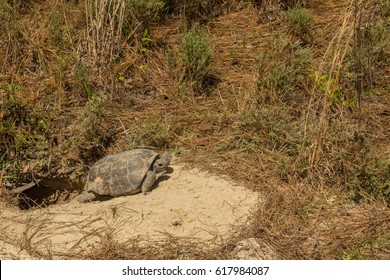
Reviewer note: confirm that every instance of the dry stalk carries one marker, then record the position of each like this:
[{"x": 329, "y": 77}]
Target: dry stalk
[
  {"x": 104, "y": 19},
  {"x": 335, "y": 53}
]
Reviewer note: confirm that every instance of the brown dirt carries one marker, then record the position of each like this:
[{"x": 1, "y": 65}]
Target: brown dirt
[{"x": 186, "y": 204}]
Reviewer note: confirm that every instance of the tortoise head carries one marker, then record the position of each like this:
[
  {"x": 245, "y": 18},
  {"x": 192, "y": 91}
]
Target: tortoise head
[{"x": 162, "y": 162}]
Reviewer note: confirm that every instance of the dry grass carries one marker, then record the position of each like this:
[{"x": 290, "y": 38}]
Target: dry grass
[
  {"x": 312, "y": 216},
  {"x": 103, "y": 36}
]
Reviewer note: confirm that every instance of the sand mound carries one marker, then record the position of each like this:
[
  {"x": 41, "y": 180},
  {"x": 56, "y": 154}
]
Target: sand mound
[{"x": 185, "y": 204}]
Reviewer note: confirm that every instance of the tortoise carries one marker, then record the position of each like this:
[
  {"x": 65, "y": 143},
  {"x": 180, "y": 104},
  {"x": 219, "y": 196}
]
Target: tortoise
[{"x": 125, "y": 173}]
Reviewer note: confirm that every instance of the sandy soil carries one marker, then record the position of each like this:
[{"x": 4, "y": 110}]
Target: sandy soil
[{"x": 185, "y": 204}]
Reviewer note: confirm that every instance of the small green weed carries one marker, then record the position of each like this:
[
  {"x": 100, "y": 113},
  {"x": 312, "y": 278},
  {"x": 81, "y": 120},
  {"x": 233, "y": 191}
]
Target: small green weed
[
  {"x": 146, "y": 41},
  {"x": 196, "y": 52}
]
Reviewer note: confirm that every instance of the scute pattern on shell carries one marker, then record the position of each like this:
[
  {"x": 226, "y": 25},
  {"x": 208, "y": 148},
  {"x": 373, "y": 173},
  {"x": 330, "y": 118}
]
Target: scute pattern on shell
[{"x": 120, "y": 174}]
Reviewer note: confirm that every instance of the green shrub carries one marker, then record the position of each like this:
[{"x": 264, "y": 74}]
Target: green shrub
[
  {"x": 376, "y": 44},
  {"x": 156, "y": 133},
  {"x": 298, "y": 23},
  {"x": 153, "y": 132},
  {"x": 196, "y": 52},
  {"x": 365, "y": 249}
]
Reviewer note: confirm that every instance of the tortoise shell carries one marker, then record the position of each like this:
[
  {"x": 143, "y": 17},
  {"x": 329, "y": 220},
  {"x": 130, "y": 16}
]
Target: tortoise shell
[{"x": 121, "y": 174}]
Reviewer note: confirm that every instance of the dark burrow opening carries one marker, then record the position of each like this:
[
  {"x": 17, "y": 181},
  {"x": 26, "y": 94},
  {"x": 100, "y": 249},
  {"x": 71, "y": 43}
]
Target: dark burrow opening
[{"x": 42, "y": 196}]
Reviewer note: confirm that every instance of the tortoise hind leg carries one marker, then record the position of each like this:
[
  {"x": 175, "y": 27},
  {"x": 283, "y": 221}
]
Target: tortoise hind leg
[
  {"x": 149, "y": 180},
  {"x": 86, "y": 197}
]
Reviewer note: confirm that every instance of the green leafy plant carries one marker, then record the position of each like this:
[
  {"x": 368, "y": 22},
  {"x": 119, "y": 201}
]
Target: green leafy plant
[{"x": 146, "y": 41}]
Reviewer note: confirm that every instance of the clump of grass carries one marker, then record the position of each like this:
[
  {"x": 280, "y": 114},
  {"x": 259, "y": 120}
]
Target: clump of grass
[
  {"x": 290, "y": 3},
  {"x": 299, "y": 22},
  {"x": 57, "y": 28},
  {"x": 194, "y": 10},
  {"x": 373, "y": 178},
  {"x": 260, "y": 130},
  {"x": 368, "y": 55},
  {"x": 86, "y": 135},
  {"x": 23, "y": 133},
  {"x": 82, "y": 76},
  {"x": 283, "y": 70},
  {"x": 364, "y": 250},
  {"x": 5, "y": 11},
  {"x": 138, "y": 14},
  {"x": 385, "y": 9},
  {"x": 196, "y": 52},
  {"x": 155, "y": 132}
]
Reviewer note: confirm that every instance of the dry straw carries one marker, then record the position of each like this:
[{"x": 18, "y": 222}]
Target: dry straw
[
  {"x": 104, "y": 21},
  {"x": 327, "y": 76}
]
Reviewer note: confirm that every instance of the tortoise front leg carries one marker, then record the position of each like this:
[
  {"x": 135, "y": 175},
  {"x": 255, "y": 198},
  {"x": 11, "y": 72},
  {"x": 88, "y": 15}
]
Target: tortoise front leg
[{"x": 149, "y": 180}]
